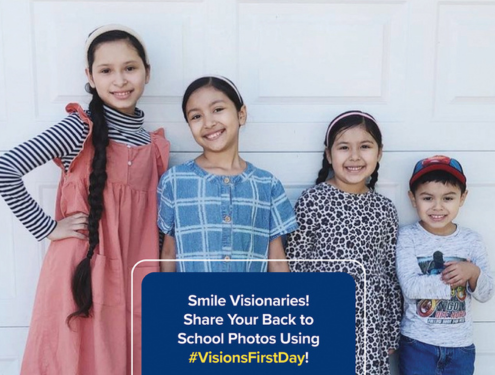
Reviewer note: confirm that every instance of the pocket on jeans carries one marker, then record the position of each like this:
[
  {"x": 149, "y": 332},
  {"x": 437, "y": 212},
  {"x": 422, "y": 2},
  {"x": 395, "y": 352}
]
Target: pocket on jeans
[
  {"x": 468, "y": 349},
  {"x": 107, "y": 281}
]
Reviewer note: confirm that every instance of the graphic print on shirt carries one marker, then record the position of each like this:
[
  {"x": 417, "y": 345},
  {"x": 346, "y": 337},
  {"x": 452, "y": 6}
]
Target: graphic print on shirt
[{"x": 441, "y": 311}]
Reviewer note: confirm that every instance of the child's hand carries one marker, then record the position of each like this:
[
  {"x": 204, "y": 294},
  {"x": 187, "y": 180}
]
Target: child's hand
[
  {"x": 70, "y": 227},
  {"x": 391, "y": 351},
  {"x": 460, "y": 273}
]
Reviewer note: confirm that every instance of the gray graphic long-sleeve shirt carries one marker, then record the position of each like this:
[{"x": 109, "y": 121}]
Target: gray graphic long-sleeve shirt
[{"x": 435, "y": 313}]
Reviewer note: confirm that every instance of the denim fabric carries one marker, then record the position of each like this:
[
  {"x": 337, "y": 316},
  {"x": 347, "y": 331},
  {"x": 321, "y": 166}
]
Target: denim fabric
[
  {"x": 418, "y": 358},
  {"x": 222, "y": 218}
]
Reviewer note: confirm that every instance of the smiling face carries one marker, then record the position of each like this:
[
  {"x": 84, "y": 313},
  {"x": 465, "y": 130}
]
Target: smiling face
[
  {"x": 118, "y": 74},
  {"x": 437, "y": 205},
  {"x": 353, "y": 156},
  {"x": 214, "y": 120}
]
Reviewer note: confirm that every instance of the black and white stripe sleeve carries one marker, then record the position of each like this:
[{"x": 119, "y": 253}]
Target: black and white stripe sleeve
[{"x": 64, "y": 141}]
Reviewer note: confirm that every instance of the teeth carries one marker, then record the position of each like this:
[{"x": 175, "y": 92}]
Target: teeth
[
  {"x": 354, "y": 168},
  {"x": 437, "y": 217},
  {"x": 213, "y": 136},
  {"x": 121, "y": 95}
]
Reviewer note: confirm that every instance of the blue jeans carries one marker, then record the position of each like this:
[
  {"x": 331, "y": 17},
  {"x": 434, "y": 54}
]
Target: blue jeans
[{"x": 418, "y": 358}]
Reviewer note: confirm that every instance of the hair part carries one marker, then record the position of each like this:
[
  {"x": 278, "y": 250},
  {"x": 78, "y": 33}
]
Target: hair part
[
  {"x": 342, "y": 125},
  {"x": 438, "y": 176},
  {"x": 81, "y": 279},
  {"x": 224, "y": 85}
]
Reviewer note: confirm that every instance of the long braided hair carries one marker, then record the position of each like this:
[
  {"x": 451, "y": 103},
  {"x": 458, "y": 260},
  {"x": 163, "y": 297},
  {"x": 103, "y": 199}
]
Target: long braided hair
[
  {"x": 342, "y": 122},
  {"x": 81, "y": 280}
]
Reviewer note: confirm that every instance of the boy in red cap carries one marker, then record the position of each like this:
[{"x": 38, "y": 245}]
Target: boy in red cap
[{"x": 440, "y": 266}]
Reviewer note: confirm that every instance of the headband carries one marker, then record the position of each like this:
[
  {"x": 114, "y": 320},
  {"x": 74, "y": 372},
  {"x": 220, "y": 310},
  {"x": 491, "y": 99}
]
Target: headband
[
  {"x": 438, "y": 163},
  {"x": 230, "y": 83},
  {"x": 344, "y": 115},
  {"x": 113, "y": 27}
]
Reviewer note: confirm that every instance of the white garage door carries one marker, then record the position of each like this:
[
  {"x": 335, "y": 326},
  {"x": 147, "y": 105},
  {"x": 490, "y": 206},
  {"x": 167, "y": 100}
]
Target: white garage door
[{"x": 423, "y": 68}]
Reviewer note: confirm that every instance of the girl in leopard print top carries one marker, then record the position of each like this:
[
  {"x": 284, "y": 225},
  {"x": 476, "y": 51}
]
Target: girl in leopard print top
[{"x": 343, "y": 218}]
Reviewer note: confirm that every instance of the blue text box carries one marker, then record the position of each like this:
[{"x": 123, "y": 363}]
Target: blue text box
[{"x": 216, "y": 323}]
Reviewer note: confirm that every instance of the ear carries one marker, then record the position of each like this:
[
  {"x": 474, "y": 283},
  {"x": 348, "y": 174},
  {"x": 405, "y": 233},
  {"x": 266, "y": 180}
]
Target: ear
[
  {"x": 463, "y": 198},
  {"x": 90, "y": 78},
  {"x": 242, "y": 115},
  {"x": 328, "y": 155},
  {"x": 148, "y": 74},
  {"x": 412, "y": 198},
  {"x": 380, "y": 154}
]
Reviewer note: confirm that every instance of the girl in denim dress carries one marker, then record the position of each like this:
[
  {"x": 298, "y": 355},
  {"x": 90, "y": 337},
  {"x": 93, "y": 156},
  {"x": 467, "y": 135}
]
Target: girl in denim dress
[{"x": 220, "y": 213}]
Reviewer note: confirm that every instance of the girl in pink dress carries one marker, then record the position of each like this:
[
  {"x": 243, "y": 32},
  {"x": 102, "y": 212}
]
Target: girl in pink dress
[{"x": 105, "y": 219}]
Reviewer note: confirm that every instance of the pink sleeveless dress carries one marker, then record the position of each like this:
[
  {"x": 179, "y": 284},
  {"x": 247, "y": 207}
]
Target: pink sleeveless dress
[{"x": 100, "y": 344}]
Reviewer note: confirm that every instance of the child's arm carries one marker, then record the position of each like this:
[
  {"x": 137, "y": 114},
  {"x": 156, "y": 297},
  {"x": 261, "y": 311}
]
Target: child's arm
[
  {"x": 459, "y": 273},
  {"x": 63, "y": 139},
  {"x": 475, "y": 273},
  {"x": 166, "y": 220},
  {"x": 301, "y": 243},
  {"x": 394, "y": 295},
  {"x": 276, "y": 251},
  {"x": 415, "y": 284},
  {"x": 168, "y": 252}
]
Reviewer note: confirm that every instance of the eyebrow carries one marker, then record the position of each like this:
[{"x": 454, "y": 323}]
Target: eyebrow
[
  {"x": 346, "y": 142},
  {"x": 125, "y": 63},
  {"x": 211, "y": 105},
  {"x": 449, "y": 193},
  {"x": 216, "y": 102}
]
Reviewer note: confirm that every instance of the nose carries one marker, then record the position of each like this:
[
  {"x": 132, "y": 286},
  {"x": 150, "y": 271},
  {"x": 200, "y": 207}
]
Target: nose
[
  {"x": 355, "y": 155},
  {"x": 120, "y": 79},
  {"x": 210, "y": 121},
  {"x": 437, "y": 204}
]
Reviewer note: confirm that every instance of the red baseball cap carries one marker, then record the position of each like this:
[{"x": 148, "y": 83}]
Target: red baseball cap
[{"x": 438, "y": 163}]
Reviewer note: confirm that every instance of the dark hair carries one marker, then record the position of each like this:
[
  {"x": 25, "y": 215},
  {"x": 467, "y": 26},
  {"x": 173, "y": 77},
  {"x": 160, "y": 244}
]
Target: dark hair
[
  {"x": 81, "y": 280},
  {"x": 220, "y": 83},
  {"x": 444, "y": 177},
  {"x": 352, "y": 120}
]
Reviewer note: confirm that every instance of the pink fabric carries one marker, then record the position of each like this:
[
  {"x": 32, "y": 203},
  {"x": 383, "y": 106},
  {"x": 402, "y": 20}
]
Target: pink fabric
[{"x": 128, "y": 233}]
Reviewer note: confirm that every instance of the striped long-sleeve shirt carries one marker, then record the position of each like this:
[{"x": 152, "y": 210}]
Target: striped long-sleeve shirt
[{"x": 63, "y": 141}]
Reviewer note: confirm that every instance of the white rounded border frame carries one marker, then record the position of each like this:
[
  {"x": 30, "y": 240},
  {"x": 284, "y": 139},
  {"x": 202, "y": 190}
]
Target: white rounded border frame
[{"x": 241, "y": 260}]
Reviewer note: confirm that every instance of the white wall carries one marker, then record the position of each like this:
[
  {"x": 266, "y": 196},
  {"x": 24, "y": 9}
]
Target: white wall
[{"x": 423, "y": 68}]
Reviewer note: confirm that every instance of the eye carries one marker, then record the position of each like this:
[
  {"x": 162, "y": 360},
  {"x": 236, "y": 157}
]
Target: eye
[
  {"x": 449, "y": 199},
  {"x": 130, "y": 68},
  {"x": 366, "y": 146},
  {"x": 344, "y": 148},
  {"x": 427, "y": 199},
  {"x": 218, "y": 109},
  {"x": 194, "y": 117},
  {"x": 105, "y": 71}
]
